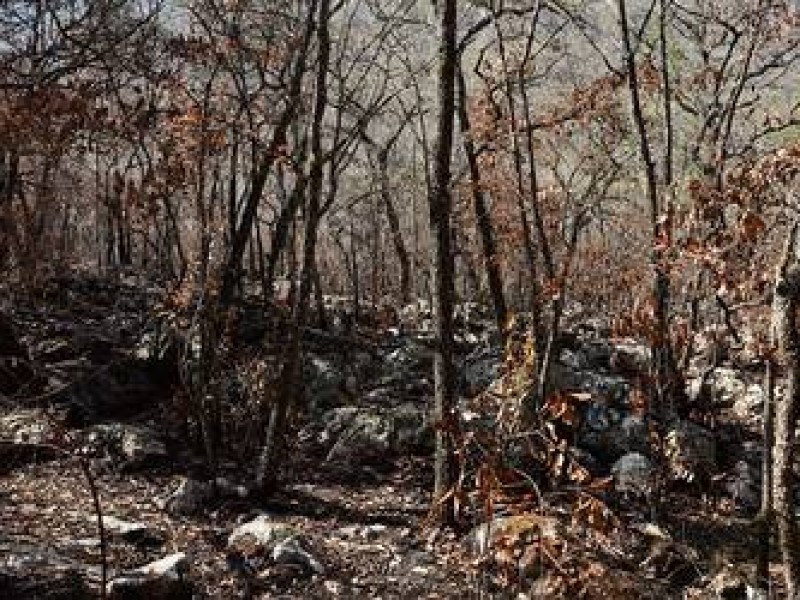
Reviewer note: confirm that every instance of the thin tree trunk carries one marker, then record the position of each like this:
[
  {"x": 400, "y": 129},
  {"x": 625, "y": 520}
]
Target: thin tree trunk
[
  {"x": 765, "y": 519},
  {"x": 355, "y": 274},
  {"x": 483, "y": 217},
  {"x": 319, "y": 299},
  {"x": 394, "y": 226},
  {"x": 233, "y": 194},
  {"x": 8, "y": 181},
  {"x": 274, "y": 448},
  {"x": 527, "y": 238},
  {"x": 440, "y": 201},
  {"x": 280, "y": 236},
  {"x": 271, "y": 153},
  {"x": 666, "y": 374}
]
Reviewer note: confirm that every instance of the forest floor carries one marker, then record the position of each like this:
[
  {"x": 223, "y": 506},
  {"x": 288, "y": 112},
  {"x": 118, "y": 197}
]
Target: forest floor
[{"x": 361, "y": 521}]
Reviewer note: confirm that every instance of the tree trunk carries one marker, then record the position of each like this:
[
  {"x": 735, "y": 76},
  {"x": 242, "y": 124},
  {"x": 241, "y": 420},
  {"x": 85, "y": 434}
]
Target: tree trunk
[
  {"x": 527, "y": 238},
  {"x": 764, "y": 520},
  {"x": 787, "y": 353},
  {"x": 280, "y": 236},
  {"x": 667, "y": 381},
  {"x": 483, "y": 217},
  {"x": 272, "y": 152},
  {"x": 440, "y": 201},
  {"x": 394, "y": 226},
  {"x": 274, "y": 448},
  {"x": 9, "y": 163},
  {"x": 319, "y": 299},
  {"x": 356, "y": 289}
]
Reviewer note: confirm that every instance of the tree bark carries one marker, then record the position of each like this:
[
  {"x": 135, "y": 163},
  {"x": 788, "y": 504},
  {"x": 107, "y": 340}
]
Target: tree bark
[
  {"x": 527, "y": 237},
  {"x": 786, "y": 301},
  {"x": 394, "y": 225},
  {"x": 274, "y": 448},
  {"x": 440, "y": 205},
  {"x": 280, "y": 236},
  {"x": 483, "y": 218},
  {"x": 764, "y": 521},
  {"x": 667, "y": 384},
  {"x": 230, "y": 274}
]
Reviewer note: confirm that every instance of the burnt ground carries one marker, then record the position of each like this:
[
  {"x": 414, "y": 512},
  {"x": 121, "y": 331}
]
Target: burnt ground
[{"x": 368, "y": 525}]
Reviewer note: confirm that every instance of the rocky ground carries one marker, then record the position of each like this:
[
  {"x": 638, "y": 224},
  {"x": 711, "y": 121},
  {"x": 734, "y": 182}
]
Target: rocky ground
[{"x": 86, "y": 400}]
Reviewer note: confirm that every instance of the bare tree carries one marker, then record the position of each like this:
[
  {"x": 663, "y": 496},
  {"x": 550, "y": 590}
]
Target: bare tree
[
  {"x": 787, "y": 352},
  {"x": 440, "y": 203}
]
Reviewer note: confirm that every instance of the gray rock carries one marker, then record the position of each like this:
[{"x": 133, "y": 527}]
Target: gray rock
[
  {"x": 727, "y": 388},
  {"x": 749, "y": 406},
  {"x": 365, "y": 434},
  {"x": 380, "y": 396},
  {"x": 55, "y": 350},
  {"x": 742, "y": 483},
  {"x": 481, "y": 367},
  {"x": 140, "y": 444},
  {"x": 189, "y": 498},
  {"x": 596, "y": 354},
  {"x": 291, "y": 552},
  {"x": 726, "y": 385},
  {"x": 411, "y": 429},
  {"x": 368, "y": 435},
  {"x": 690, "y": 451},
  {"x": 26, "y": 436},
  {"x": 634, "y": 474},
  {"x": 608, "y": 433},
  {"x": 611, "y": 389},
  {"x": 573, "y": 360},
  {"x": 335, "y": 422},
  {"x": 728, "y": 585},
  {"x": 164, "y": 579},
  {"x": 412, "y": 356},
  {"x": 373, "y": 532},
  {"x": 630, "y": 357},
  {"x": 324, "y": 383},
  {"x": 135, "y": 444}
]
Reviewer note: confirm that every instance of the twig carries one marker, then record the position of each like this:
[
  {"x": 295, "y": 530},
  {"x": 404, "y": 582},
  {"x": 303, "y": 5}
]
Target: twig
[{"x": 101, "y": 530}]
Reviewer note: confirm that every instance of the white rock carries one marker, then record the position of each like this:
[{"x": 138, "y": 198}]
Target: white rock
[
  {"x": 164, "y": 579},
  {"x": 259, "y": 535},
  {"x": 127, "y": 530}
]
